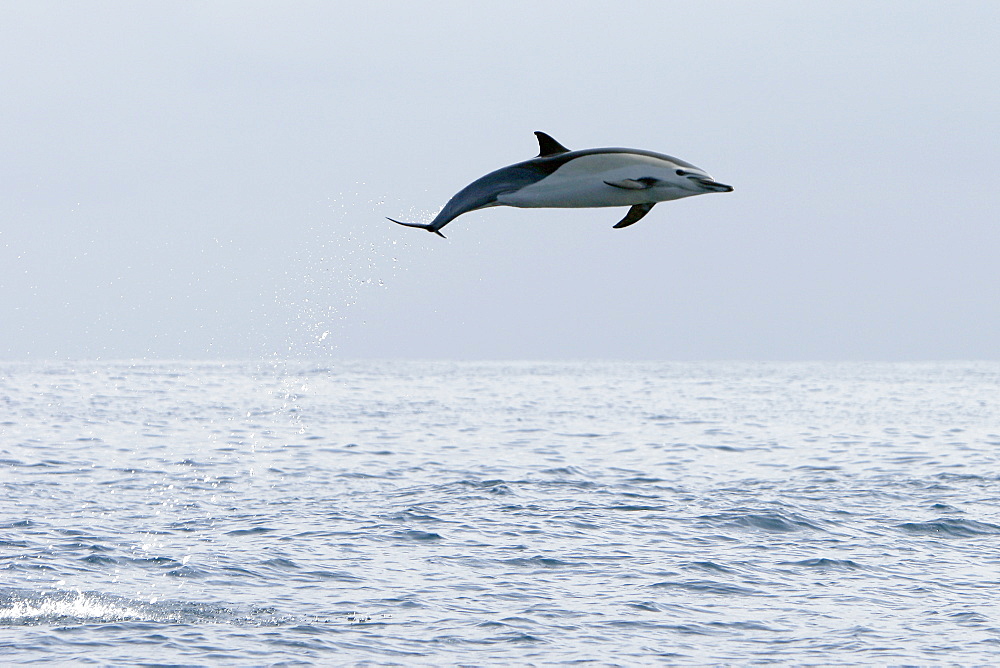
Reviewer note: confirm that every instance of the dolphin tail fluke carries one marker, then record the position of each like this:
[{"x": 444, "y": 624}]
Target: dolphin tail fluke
[{"x": 429, "y": 227}]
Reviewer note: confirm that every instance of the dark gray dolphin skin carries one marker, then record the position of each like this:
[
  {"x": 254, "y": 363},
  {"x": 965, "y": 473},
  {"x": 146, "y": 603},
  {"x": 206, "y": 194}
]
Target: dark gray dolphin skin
[{"x": 594, "y": 177}]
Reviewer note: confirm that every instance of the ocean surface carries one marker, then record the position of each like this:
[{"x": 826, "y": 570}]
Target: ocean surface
[{"x": 439, "y": 513}]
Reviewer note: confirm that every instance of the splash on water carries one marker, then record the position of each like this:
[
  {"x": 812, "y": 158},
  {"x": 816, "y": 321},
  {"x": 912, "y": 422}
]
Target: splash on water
[{"x": 78, "y": 606}]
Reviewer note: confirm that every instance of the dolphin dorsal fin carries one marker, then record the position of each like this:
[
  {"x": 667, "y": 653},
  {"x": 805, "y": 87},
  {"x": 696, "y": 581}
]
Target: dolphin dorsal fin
[{"x": 548, "y": 146}]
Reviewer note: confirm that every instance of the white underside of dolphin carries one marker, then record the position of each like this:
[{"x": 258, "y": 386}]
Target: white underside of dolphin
[{"x": 596, "y": 177}]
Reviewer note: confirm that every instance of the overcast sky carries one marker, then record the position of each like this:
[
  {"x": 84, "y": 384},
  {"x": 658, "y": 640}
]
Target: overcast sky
[{"x": 210, "y": 180}]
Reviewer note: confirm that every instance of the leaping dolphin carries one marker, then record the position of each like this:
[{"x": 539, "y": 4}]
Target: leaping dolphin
[{"x": 593, "y": 177}]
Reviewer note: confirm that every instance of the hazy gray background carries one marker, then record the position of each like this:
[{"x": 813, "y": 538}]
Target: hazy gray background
[{"x": 210, "y": 179}]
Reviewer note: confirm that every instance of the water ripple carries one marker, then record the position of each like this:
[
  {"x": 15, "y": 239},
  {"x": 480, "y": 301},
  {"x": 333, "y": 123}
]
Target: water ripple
[{"x": 429, "y": 513}]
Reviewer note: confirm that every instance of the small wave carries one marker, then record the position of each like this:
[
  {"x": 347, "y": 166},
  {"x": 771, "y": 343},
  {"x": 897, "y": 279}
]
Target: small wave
[
  {"x": 412, "y": 515},
  {"x": 636, "y": 508},
  {"x": 564, "y": 470},
  {"x": 417, "y": 535},
  {"x": 544, "y": 562},
  {"x": 970, "y": 617},
  {"x": 829, "y": 564},
  {"x": 683, "y": 629},
  {"x": 514, "y": 637},
  {"x": 496, "y": 487},
  {"x": 14, "y": 543},
  {"x": 645, "y": 606},
  {"x": 339, "y": 576},
  {"x": 743, "y": 626},
  {"x": 955, "y": 528},
  {"x": 708, "y": 587},
  {"x": 767, "y": 521},
  {"x": 249, "y": 532},
  {"x": 99, "y": 560},
  {"x": 708, "y": 566},
  {"x": 945, "y": 508}
]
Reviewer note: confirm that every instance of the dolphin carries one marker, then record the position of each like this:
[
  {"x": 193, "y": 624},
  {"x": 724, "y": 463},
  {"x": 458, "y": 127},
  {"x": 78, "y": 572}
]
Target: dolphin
[{"x": 593, "y": 177}]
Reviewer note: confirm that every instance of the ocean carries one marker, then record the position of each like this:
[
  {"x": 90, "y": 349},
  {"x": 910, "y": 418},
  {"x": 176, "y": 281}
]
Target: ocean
[{"x": 471, "y": 513}]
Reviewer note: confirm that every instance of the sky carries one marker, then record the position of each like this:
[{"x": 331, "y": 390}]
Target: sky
[{"x": 210, "y": 180}]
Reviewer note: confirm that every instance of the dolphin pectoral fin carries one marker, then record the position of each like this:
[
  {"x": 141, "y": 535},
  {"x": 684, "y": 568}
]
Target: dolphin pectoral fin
[
  {"x": 634, "y": 215},
  {"x": 548, "y": 146},
  {"x": 429, "y": 228},
  {"x": 633, "y": 184}
]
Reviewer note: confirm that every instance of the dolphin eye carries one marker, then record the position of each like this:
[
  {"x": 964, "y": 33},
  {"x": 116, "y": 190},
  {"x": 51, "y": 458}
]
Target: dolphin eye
[{"x": 681, "y": 172}]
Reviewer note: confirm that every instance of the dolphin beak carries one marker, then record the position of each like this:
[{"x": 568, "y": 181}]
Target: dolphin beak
[{"x": 715, "y": 186}]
